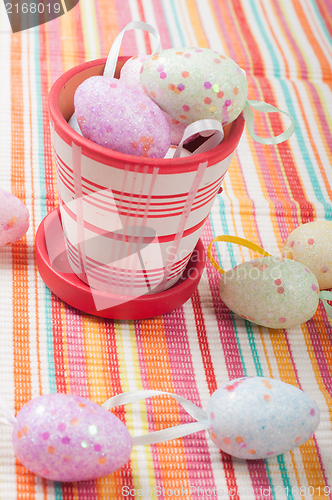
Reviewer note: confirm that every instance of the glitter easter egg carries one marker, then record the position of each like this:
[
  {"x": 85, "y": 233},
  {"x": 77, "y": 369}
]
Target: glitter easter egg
[
  {"x": 14, "y": 218},
  {"x": 193, "y": 84},
  {"x": 130, "y": 74},
  {"x": 256, "y": 417},
  {"x": 311, "y": 244},
  {"x": 271, "y": 291},
  {"x": 116, "y": 116},
  {"x": 69, "y": 438},
  {"x": 130, "y": 71}
]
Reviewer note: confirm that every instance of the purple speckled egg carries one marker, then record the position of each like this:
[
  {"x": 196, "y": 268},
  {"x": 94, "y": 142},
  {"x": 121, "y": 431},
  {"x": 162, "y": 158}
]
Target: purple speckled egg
[
  {"x": 116, "y": 116},
  {"x": 258, "y": 417},
  {"x": 14, "y": 218},
  {"x": 69, "y": 438}
]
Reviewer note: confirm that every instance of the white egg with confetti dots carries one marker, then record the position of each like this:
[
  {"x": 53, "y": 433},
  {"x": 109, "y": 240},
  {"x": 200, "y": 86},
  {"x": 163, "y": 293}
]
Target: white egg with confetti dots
[
  {"x": 311, "y": 244},
  {"x": 271, "y": 291},
  {"x": 192, "y": 84},
  {"x": 257, "y": 417},
  {"x": 69, "y": 438}
]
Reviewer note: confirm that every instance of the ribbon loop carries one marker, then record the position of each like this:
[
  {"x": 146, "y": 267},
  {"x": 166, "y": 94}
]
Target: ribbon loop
[
  {"x": 9, "y": 418},
  {"x": 115, "y": 49},
  {"x": 199, "y": 127},
  {"x": 325, "y": 295},
  {"x": 233, "y": 239},
  {"x": 164, "y": 434},
  {"x": 265, "y": 108}
]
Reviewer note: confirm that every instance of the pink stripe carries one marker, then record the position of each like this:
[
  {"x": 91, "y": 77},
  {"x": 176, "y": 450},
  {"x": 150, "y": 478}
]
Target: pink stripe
[
  {"x": 186, "y": 211},
  {"x": 181, "y": 364},
  {"x": 78, "y": 377},
  {"x": 256, "y": 468},
  {"x": 160, "y": 16},
  {"x": 320, "y": 356},
  {"x": 55, "y": 60},
  {"x": 67, "y": 175},
  {"x": 144, "y": 370},
  {"x": 303, "y": 66},
  {"x": 100, "y": 28},
  {"x": 227, "y": 337},
  {"x": 321, "y": 113},
  {"x": 221, "y": 11},
  {"x": 161, "y": 239},
  {"x": 76, "y": 158},
  {"x": 123, "y": 14},
  {"x": 269, "y": 183}
]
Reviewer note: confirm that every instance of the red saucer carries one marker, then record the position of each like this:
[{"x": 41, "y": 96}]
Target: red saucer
[{"x": 69, "y": 288}]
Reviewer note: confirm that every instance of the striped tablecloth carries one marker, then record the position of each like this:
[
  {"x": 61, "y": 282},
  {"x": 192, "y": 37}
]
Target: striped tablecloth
[{"x": 47, "y": 346}]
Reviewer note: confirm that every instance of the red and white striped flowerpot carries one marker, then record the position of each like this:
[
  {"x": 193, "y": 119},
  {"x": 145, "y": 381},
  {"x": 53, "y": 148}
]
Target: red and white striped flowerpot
[{"x": 130, "y": 223}]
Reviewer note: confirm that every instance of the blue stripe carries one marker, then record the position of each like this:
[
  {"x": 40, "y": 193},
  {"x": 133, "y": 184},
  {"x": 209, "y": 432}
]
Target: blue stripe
[
  {"x": 305, "y": 154},
  {"x": 174, "y": 21},
  {"x": 233, "y": 263},
  {"x": 42, "y": 187},
  {"x": 292, "y": 111},
  {"x": 321, "y": 20}
]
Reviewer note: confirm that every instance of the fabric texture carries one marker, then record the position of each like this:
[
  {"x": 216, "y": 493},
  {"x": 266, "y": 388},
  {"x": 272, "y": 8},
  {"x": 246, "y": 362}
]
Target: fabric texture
[{"x": 47, "y": 346}]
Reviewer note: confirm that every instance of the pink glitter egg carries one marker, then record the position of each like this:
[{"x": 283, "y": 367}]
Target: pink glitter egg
[
  {"x": 14, "y": 218},
  {"x": 130, "y": 74},
  {"x": 130, "y": 71},
  {"x": 114, "y": 115},
  {"x": 69, "y": 438}
]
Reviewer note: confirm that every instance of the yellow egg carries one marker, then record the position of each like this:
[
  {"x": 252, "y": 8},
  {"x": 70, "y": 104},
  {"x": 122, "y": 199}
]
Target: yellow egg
[{"x": 311, "y": 244}]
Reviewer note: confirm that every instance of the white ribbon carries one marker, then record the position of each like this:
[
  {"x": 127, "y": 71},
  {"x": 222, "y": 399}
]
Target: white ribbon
[
  {"x": 325, "y": 295},
  {"x": 9, "y": 418},
  {"x": 115, "y": 49},
  {"x": 263, "y": 107},
  {"x": 202, "y": 127},
  {"x": 178, "y": 431}
]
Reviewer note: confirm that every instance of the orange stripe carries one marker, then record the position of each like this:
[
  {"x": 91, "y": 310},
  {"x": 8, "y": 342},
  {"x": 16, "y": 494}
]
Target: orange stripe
[
  {"x": 246, "y": 205},
  {"x": 99, "y": 383},
  {"x": 33, "y": 226},
  {"x": 160, "y": 376},
  {"x": 227, "y": 33},
  {"x": 326, "y": 15},
  {"x": 285, "y": 36},
  {"x": 72, "y": 52},
  {"x": 196, "y": 24},
  {"x": 311, "y": 139},
  {"x": 275, "y": 39},
  {"x": 109, "y": 23},
  {"x": 325, "y": 65},
  {"x": 21, "y": 344},
  {"x": 308, "y": 450}
]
